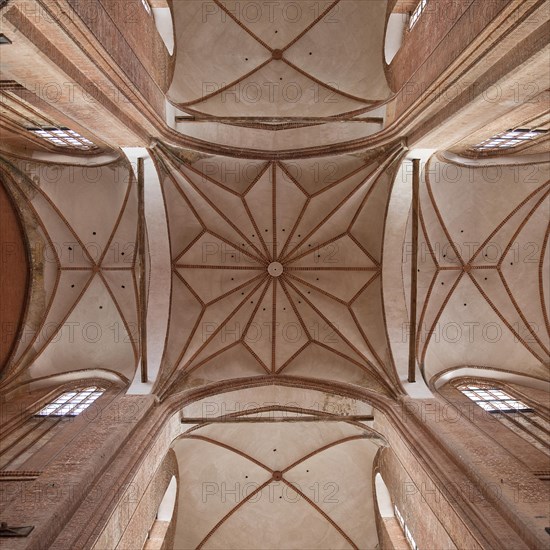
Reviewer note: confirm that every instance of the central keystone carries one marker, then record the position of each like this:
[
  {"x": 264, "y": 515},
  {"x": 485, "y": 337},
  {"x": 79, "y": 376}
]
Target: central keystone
[
  {"x": 277, "y": 54},
  {"x": 275, "y": 269}
]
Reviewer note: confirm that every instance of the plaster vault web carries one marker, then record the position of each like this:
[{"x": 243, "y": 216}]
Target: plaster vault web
[
  {"x": 274, "y": 268},
  {"x": 283, "y": 471}
]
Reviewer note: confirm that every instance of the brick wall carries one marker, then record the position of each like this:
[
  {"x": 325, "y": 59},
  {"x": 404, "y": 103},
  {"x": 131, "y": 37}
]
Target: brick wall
[
  {"x": 13, "y": 275},
  {"x": 444, "y": 30}
]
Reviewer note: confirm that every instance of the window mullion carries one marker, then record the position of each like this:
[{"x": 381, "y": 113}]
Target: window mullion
[
  {"x": 513, "y": 421},
  {"x": 534, "y": 423}
]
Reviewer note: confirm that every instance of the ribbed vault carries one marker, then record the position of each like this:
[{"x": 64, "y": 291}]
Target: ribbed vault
[
  {"x": 282, "y": 485},
  {"x": 316, "y": 46},
  {"x": 81, "y": 225},
  {"x": 276, "y": 269},
  {"x": 483, "y": 271},
  {"x": 280, "y": 75}
]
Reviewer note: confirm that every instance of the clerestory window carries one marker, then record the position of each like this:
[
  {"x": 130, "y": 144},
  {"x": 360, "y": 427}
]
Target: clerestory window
[
  {"x": 63, "y": 137},
  {"x": 404, "y": 526},
  {"x": 514, "y": 413},
  {"x": 415, "y": 16},
  {"x": 509, "y": 139},
  {"x": 493, "y": 399},
  {"x": 71, "y": 403},
  {"x": 147, "y": 6}
]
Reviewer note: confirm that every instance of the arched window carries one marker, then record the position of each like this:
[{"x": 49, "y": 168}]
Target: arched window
[
  {"x": 415, "y": 15},
  {"x": 147, "y": 6},
  {"x": 63, "y": 137},
  {"x": 514, "y": 413},
  {"x": 493, "y": 399},
  {"x": 71, "y": 403},
  {"x": 509, "y": 139},
  {"x": 405, "y": 528},
  {"x": 33, "y": 431},
  {"x": 390, "y": 511},
  {"x": 157, "y": 533}
]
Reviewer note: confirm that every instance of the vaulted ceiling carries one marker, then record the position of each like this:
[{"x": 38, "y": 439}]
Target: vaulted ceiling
[
  {"x": 278, "y": 485},
  {"x": 82, "y": 317},
  {"x": 314, "y": 45},
  {"x": 277, "y": 268},
  {"x": 277, "y": 265},
  {"x": 282, "y": 75},
  {"x": 483, "y": 282}
]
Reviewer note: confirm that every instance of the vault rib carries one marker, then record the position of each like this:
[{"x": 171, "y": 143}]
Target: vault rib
[
  {"x": 541, "y": 276},
  {"x": 226, "y": 87},
  {"x": 225, "y": 321},
  {"x": 318, "y": 19},
  {"x": 218, "y": 211},
  {"x": 332, "y": 326},
  {"x": 371, "y": 175},
  {"x": 323, "y": 513},
  {"x": 507, "y": 219}
]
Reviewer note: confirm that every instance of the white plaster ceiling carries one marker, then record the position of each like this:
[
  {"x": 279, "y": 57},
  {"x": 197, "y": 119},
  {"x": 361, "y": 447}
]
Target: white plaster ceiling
[
  {"x": 276, "y": 268},
  {"x": 483, "y": 281},
  {"x": 268, "y": 74},
  {"x": 319, "y": 223},
  {"x": 278, "y": 485},
  {"x": 83, "y": 314}
]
